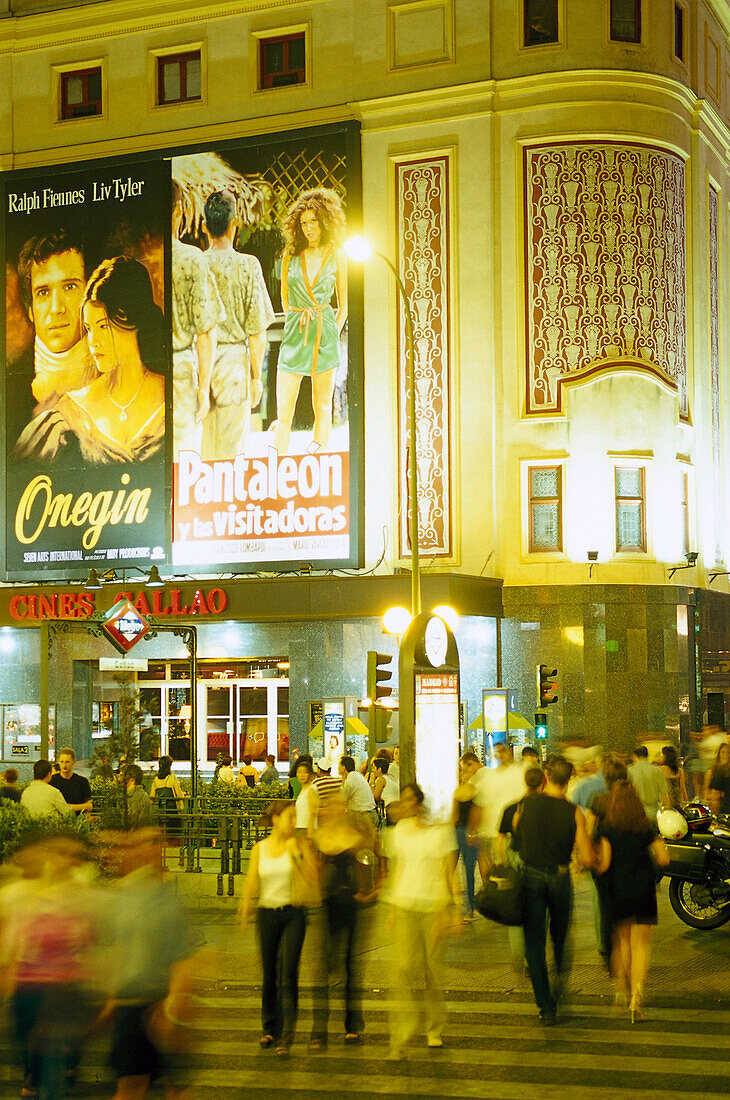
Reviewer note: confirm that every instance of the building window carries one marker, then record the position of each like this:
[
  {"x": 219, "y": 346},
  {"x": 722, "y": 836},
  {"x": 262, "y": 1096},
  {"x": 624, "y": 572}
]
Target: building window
[
  {"x": 626, "y": 20},
  {"x": 684, "y": 485},
  {"x": 541, "y": 22},
  {"x": 178, "y": 78},
  {"x": 679, "y": 31},
  {"x": 282, "y": 60},
  {"x": 81, "y": 93},
  {"x": 546, "y": 508},
  {"x": 630, "y": 508}
]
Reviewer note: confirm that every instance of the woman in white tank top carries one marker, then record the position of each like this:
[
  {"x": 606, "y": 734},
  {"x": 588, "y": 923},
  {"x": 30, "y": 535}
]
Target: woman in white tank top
[{"x": 277, "y": 865}]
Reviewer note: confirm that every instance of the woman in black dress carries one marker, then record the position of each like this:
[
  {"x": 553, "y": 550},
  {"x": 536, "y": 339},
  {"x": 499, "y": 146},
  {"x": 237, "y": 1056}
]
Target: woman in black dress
[{"x": 628, "y": 853}]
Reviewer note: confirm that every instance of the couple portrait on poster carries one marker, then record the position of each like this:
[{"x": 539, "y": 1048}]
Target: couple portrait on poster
[{"x": 92, "y": 387}]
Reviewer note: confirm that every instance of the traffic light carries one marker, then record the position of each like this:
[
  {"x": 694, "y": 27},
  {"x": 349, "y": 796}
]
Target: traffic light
[
  {"x": 378, "y": 673},
  {"x": 540, "y": 726},
  {"x": 382, "y": 717},
  {"x": 377, "y": 687},
  {"x": 547, "y": 686}
]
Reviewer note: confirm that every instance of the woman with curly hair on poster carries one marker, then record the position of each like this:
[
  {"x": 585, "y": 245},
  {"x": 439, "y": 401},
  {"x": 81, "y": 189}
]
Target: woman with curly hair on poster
[{"x": 313, "y": 270}]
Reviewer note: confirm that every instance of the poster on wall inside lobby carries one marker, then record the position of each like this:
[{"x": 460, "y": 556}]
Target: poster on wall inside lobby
[
  {"x": 87, "y": 362},
  {"x": 263, "y": 390}
]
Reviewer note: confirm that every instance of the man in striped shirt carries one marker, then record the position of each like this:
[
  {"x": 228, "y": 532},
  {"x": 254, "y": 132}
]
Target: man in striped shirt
[{"x": 325, "y": 783}]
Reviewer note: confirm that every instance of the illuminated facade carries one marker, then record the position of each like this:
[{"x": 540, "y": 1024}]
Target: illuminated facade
[{"x": 552, "y": 182}]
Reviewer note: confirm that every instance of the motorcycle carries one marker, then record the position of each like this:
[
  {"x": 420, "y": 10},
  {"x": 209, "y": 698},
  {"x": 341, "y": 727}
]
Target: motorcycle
[{"x": 699, "y": 867}]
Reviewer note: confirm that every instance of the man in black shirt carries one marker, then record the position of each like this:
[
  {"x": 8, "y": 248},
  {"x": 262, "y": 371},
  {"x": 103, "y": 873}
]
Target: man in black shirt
[
  {"x": 548, "y": 826},
  {"x": 74, "y": 788}
]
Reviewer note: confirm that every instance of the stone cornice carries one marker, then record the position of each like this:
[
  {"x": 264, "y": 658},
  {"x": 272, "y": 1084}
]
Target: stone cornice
[
  {"x": 150, "y": 142},
  {"x": 89, "y": 23},
  {"x": 543, "y": 90}
]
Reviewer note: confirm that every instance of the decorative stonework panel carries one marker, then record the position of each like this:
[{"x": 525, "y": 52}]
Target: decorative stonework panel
[
  {"x": 424, "y": 265},
  {"x": 715, "y": 373},
  {"x": 604, "y": 264}
]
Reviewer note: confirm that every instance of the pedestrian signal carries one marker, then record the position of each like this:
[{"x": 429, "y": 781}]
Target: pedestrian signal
[
  {"x": 547, "y": 686},
  {"x": 541, "y": 726}
]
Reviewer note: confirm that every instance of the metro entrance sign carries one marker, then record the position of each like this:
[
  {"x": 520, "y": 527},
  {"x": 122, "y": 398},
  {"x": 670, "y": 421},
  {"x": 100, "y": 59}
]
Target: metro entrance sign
[{"x": 124, "y": 626}]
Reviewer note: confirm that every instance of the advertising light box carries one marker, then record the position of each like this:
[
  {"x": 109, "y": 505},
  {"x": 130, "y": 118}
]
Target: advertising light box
[{"x": 183, "y": 344}]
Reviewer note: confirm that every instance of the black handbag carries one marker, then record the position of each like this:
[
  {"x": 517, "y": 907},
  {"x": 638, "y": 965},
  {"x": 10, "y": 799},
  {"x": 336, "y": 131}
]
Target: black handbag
[{"x": 501, "y": 898}]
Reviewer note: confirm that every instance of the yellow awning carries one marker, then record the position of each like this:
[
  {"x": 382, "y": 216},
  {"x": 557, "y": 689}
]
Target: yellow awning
[
  {"x": 517, "y": 721},
  {"x": 353, "y": 728}
]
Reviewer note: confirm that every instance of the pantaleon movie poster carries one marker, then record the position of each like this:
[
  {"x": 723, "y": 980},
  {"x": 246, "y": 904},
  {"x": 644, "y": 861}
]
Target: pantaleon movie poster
[{"x": 183, "y": 360}]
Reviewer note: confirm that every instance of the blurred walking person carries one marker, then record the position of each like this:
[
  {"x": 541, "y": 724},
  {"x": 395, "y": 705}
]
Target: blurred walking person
[
  {"x": 345, "y": 850},
  {"x": 650, "y": 783},
  {"x": 629, "y": 851},
  {"x": 465, "y": 818},
  {"x": 547, "y": 828},
  {"x": 281, "y": 871},
  {"x": 47, "y": 933},
  {"x": 153, "y": 962},
  {"x": 671, "y": 767},
  {"x": 717, "y": 792},
  {"x": 423, "y": 909}
]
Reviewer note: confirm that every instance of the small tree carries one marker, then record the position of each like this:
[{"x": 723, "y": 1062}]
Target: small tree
[{"x": 127, "y": 742}]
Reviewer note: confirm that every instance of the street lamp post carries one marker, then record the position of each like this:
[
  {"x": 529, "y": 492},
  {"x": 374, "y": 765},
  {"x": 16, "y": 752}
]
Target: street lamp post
[{"x": 360, "y": 250}]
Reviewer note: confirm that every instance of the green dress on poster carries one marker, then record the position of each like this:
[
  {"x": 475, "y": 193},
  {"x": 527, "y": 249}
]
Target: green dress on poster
[{"x": 310, "y": 343}]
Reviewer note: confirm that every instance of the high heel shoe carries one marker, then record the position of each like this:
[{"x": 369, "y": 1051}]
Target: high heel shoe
[{"x": 635, "y": 1010}]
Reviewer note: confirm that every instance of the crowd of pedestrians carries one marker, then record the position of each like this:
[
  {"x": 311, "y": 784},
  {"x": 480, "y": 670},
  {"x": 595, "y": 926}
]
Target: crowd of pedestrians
[
  {"x": 110, "y": 950},
  {"x": 539, "y": 817}
]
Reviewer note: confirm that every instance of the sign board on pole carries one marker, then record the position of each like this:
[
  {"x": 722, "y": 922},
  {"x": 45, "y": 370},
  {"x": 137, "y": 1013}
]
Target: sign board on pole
[
  {"x": 333, "y": 724},
  {"x": 123, "y": 664},
  {"x": 428, "y": 676}
]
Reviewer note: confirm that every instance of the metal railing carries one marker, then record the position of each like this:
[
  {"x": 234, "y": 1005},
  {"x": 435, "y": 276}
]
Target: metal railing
[{"x": 209, "y": 835}]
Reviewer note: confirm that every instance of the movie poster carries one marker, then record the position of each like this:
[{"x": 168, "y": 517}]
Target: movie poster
[
  {"x": 87, "y": 363},
  {"x": 261, "y": 387},
  {"x": 182, "y": 383}
]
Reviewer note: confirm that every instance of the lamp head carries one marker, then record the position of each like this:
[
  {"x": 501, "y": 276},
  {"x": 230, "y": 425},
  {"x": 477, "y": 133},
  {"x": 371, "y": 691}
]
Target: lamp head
[
  {"x": 396, "y": 620},
  {"x": 592, "y": 555},
  {"x": 154, "y": 580},
  {"x": 691, "y": 557},
  {"x": 358, "y": 249},
  {"x": 93, "y": 583},
  {"x": 448, "y": 614}
]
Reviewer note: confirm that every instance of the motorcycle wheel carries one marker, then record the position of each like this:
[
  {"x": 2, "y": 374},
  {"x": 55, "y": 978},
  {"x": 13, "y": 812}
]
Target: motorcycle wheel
[{"x": 694, "y": 904}]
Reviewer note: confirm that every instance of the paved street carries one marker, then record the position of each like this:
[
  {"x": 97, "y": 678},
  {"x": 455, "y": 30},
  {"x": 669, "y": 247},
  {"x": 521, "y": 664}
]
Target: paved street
[{"x": 495, "y": 1046}]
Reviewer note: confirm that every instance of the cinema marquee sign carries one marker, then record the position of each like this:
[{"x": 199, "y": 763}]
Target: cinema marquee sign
[{"x": 30, "y": 607}]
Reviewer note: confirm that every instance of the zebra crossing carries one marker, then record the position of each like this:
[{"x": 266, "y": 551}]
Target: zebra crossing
[{"x": 495, "y": 1049}]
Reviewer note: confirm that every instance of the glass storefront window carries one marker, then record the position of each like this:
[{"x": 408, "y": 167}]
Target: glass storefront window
[
  {"x": 282, "y": 724},
  {"x": 22, "y": 731}
]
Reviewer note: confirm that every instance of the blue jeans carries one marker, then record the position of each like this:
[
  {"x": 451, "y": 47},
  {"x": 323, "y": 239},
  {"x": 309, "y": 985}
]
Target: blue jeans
[
  {"x": 546, "y": 892},
  {"x": 468, "y": 853}
]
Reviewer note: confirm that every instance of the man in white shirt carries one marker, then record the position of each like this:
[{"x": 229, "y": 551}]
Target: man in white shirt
[
  {"x": 39, "y": 798},
  {"x": 649, "y": 782},
  {"x": 496, "y": 788},
  {"x": 359, "y": 800},
  {"x": 505, "y": 784}
]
